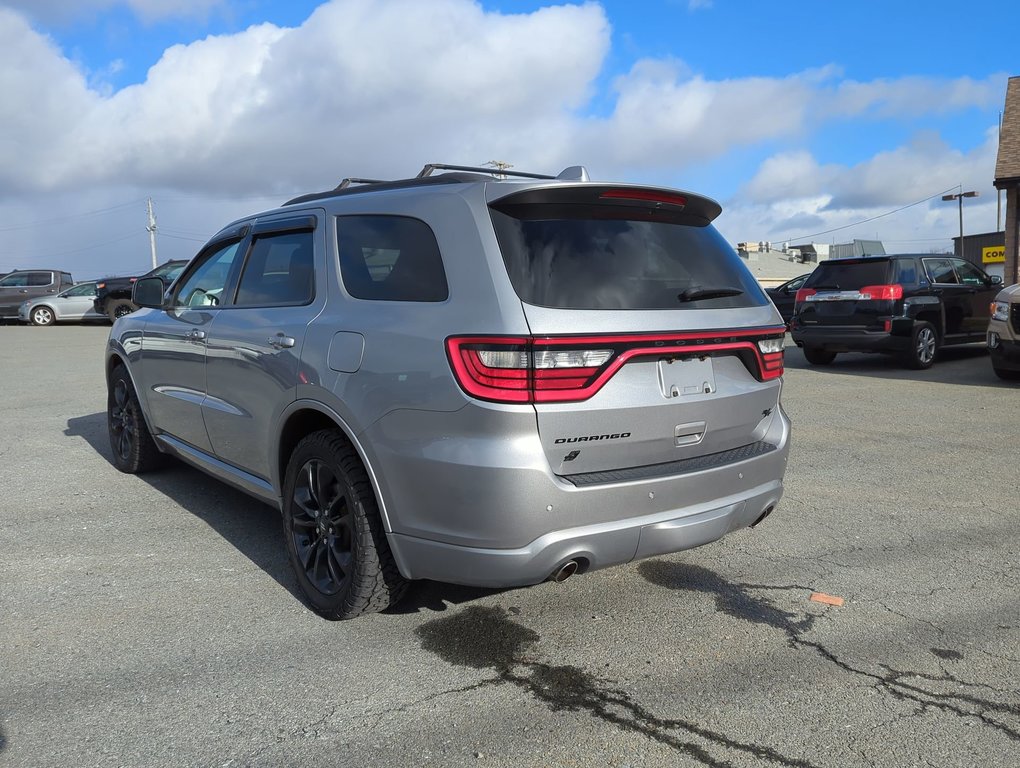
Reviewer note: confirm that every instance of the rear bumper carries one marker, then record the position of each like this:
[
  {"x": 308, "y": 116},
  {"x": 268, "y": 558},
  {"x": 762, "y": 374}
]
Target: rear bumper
[
  {"x": 515, "y": 524},
  {"x": 836, "y": 339},
  {"x": 593, "y": 547}
]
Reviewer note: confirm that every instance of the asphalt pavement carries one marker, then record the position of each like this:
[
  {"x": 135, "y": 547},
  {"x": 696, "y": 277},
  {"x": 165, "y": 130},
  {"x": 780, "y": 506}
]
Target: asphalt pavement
[{"x": 154, "y": 621}]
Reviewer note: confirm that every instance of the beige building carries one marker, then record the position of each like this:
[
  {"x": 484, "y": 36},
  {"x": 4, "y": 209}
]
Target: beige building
[{"x": 1007, "y": 177}]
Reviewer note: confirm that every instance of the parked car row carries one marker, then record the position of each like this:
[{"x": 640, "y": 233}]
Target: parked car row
[{"x": 45, "y": 297}]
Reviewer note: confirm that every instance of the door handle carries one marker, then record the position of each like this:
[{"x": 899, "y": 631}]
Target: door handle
[
  {"x": 195, "y": 335},
  {"x": 279, "y": 341}
]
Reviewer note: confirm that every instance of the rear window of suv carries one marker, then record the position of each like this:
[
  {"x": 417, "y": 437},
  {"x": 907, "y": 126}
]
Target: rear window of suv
[
  {"x": 583, "y": 259},
  {"x": 849, "y": 275}
]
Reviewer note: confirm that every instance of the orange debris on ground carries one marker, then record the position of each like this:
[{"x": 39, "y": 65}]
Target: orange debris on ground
[{"x": 821, "y": 597}]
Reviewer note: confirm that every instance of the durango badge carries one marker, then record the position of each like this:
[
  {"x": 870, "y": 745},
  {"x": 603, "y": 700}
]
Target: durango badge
[{"x": 592, "y": 438}]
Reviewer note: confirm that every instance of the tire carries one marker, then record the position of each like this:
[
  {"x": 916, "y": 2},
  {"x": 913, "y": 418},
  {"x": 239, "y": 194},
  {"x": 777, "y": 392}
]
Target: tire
[
  {"x": 818, "y": 355},
  {"x": 134, "y": 450},
  {"x": 1006, "y": 374},
  {"x": 924, "y": 345},
  {"x": 341, "y": 558},
  {"x": 119, "y": 309},
  {"x": 41, "y": 315}
]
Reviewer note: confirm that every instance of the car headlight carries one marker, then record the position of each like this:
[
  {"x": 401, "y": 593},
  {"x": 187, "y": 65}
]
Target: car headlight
[{"x": 1000, "y": 310}]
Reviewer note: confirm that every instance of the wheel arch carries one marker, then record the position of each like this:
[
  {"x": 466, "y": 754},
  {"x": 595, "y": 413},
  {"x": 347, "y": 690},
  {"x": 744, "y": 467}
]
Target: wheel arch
[{"x": 302, "y": 418}]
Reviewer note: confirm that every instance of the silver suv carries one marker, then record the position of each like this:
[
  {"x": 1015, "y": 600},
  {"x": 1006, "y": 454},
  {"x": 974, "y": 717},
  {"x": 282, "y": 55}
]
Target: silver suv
[{"x": 487, "y": 381}]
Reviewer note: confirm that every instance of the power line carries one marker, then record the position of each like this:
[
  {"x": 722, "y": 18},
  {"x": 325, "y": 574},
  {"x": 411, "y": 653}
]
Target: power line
[
  {"x": 79, "y": 250},
  {"x": 873, "y": 218},
  {"x": 99, "y": 211}
]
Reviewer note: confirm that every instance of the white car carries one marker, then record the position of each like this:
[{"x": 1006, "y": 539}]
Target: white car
[{"x": 72, "y": 306}]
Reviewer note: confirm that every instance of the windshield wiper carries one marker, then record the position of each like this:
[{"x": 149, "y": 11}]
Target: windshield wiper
[{"x": 697, "y": 294}]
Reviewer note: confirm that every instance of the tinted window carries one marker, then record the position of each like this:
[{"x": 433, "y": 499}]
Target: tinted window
[
  {"x": 849, "y": 275},
  {"x": 969, "y": 274},
  {"x": 576, "y": 261},
  {"x": 15, "y": 281},
  {"x": 940, "y": 270},
  {"x": 85, "y": 289},
  {"x": 168, "y": 272},
  {"x": 390, "y": 258},
  {"x": 279, "y": 271},
  {"x": 40, "y": 278},
  {"x": 204, "y": 286},
  {"x": 906, "y": 271}
]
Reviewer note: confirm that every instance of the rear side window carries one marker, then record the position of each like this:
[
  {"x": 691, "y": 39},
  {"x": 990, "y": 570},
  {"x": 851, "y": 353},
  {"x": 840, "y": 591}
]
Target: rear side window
[
  {"x": 584, "y": 259},
  {"x": 906, "y": 271},
  {"x": 849, "y": 275},
  {"x": 279, "y": 271},
  {"x": 40, "y": 278},
  {"x": 390, "y": 258}
]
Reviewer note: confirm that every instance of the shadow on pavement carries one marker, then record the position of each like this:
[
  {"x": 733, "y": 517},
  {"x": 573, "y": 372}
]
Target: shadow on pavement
[
  {"x": 249, "y": 525},
  {"x": 966, "y": 365},
  {"x": 252, "y": 527}
]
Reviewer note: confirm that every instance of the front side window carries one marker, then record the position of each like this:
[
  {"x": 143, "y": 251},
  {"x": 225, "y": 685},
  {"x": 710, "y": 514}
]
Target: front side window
[
  {"x": 969, "y": 274},
  {"x": 279, "y": 271},
  {"x": 85, "y": 289},
  {"x": 390, "y": 258},
  {"x": 15, "y": 281},
  {"x": 204, "y": 286}
]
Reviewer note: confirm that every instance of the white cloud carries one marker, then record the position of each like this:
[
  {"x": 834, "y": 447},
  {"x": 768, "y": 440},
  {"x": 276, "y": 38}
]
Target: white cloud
[
  {"x": 379, "y": 87},
  {"x": 792, "y": 195}
]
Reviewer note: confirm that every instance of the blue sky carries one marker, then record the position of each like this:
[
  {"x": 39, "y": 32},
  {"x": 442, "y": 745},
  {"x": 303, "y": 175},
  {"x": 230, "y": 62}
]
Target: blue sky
[{"x": 800, "y": 117}]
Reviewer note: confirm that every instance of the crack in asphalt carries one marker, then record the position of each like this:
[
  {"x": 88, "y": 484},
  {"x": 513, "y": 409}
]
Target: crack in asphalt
[
  {"x": 485, "y": 638},
  {"x": 735, "y": 600}
]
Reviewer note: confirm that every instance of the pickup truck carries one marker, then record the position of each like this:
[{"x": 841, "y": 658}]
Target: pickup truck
[{"x": 113, "y": 294}]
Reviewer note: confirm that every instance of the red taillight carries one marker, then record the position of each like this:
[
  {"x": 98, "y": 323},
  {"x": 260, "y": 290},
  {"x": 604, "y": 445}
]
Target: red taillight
[
  {"x": 521, "y": 369},
  {"x": 132, "y": 279},
  {"x": 880, "y": 292},
  {"x": 803, "y": 293},
  {"x": 644, "y": 196}
]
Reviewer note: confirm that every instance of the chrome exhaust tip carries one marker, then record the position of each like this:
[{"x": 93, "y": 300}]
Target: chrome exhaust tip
[
  {"x": 768, "y": 511},
  {"x": 564, "y": 572}
]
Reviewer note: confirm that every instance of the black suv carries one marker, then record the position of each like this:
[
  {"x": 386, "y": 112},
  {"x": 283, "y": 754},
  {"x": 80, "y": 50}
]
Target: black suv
[{"x": 907, "y": 304}]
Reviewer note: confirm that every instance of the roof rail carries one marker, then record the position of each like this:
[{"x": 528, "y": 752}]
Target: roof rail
[
  {"x": 354, "y": 180},
  {"x": 428, "y": 169}
]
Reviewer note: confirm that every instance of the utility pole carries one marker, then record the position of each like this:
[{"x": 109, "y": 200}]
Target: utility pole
[
  {"x": 500, "y": 165},
  {"x": 960, "y": 197},
  {"x": 998, "y": 192},
  {"x": 151, "y": 227}
]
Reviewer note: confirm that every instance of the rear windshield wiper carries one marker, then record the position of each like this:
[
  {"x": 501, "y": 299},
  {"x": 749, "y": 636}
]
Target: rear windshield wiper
[{"x": 697, "y": 294}]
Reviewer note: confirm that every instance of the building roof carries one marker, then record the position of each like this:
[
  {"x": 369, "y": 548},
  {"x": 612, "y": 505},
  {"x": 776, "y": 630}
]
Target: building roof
[
  {"x": 1007, "y": 163},
  {"x": 774, "y": 267}
]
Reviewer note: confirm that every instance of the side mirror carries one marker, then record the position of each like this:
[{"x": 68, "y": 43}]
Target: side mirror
[
  {"x": 996, "y": 280},
  {"x": 148, "y": 292}
]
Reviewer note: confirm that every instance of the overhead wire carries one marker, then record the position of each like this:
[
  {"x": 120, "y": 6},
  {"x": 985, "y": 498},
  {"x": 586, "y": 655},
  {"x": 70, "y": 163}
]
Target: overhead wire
[{"x": 872, "y": 218}]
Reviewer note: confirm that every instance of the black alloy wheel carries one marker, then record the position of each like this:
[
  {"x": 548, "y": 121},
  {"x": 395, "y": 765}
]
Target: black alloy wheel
[
  {"x": 134, "y": 450},
  {"x": 333, "y": 530},
  {"x": 322, "y": 528}
]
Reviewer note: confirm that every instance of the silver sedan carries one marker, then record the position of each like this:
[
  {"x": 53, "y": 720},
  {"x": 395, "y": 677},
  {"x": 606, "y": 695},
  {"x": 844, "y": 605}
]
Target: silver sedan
[{"x": 71, "y": 305}]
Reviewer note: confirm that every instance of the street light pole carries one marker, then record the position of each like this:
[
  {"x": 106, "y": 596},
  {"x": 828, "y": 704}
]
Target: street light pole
[{"x": 959, "y": 196}]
